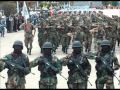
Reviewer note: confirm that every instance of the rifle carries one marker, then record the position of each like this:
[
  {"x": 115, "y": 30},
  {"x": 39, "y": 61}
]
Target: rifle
[
  {"x": 53, "y": 68},
  {"x": 110, "y": 69},
  {"x": 16, "y": 66},
  {"x": 81, "y": 70}
]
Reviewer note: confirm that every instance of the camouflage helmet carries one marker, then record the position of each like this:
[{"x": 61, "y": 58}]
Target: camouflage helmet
[
  {"x": 76, "y": 44},
  {"x": 47, "y": 45},
  {"x": 18, "y": 43},
  {"x": 105, "y": 43}
]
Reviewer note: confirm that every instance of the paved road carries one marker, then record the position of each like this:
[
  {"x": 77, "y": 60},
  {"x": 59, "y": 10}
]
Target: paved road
[{"x": 32, "y": 80}]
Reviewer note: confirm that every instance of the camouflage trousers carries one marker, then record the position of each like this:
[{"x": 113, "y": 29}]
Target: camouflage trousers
[
  {"x": 88, "y": 46},
  {"x": 12, "y": 86},
  {"x": 28, "y": 43},
  {"x": 80, "y": 85},
  {"x": 14, "y": 83},
  {"x": 48, "y": 83},
  {"x": 107, "y": 80},
  {"x": 44, "y": 86}
]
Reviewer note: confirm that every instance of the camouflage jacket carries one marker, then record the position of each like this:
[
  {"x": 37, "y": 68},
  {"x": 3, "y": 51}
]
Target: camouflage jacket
[
  {"x": 17, "y": 65},
  {"x": 104, "y": 62},
  {"x": 48, "y": 75},
  {"x": 74, "y": 72}
]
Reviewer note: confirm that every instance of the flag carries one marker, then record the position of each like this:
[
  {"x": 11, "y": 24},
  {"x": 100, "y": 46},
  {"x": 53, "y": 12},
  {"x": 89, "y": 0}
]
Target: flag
[
  {"x": 25, "y": 12},
  {"x": 51, "y": 10},
  {"x": 17, "y": 7}
]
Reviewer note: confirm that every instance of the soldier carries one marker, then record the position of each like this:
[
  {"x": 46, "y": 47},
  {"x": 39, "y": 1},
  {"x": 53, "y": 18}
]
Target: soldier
[
  {"x": 104, "y": 66},
  {"x": 65, "y": 43},
  {"x": 80, "y": 35},
  {"x": 28, "y": 28},
  {"x": 49, "y": 66},
  {"x": 111, "y": 35},
  {"x": 17, "y": 64},
  {"x": 118, "y": 35},
  {"x": 99, "y": 35},
  {"x": 79, "y": 67},
  {"x": 53, "y": 36},
  {"x": 88, "y": 40}
]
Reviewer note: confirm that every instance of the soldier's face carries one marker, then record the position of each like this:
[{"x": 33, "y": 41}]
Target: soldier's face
[
  {"x": 47, "y": 51},
  {"x": 105, "y": 49},
  {"x": 77, "y": 50},
  {"x": 18, "y": 49}
]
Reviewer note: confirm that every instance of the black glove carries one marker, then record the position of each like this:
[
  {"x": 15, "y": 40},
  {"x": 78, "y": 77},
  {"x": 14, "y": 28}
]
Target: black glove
[
  {"x": 98, "y": 60},
  {"x": 52, "y": 71},
  {"x": 23, "y": 72}
]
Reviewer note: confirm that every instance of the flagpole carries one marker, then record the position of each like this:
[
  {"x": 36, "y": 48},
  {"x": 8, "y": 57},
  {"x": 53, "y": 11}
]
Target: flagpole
[
  {"x": 25, "y": 12},
  {"x": 17, "y": 7}
]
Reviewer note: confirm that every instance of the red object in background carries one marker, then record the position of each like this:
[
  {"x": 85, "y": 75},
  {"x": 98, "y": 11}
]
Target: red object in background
[
  {"x": 59, "y": 13},
  {"x": 51, "y": 11}
]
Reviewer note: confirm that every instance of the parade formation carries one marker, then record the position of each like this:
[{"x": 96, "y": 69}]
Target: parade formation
[{"x": 79, "y": 29}]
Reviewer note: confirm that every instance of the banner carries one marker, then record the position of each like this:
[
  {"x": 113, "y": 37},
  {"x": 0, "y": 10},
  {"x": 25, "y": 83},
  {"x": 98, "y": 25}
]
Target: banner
[
  {"x": 25, "y": 12},
  {"x": 18, "y": 7}
]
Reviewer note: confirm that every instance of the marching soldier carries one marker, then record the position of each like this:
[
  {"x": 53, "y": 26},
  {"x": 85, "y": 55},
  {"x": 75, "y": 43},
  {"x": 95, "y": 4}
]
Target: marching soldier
[
  {"x": 106, "y": 64},
  {"x": 29, "y": 35},
  {"x": 49, "y": 66},
  {"x": 79, "y": 67},
  {"x": 17, "y": 64}
]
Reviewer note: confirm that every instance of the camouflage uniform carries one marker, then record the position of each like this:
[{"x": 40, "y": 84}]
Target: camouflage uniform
[
  {"x": 28, "y": 28},
  {"x": 111, "y": 35},
  {"x": 76, "y": 79},
  {"x": 48, "y": 77},
  {"x": 53, "y": 36},
  {"x": 118, "y": 35},
  {"x": 104, "y": 61},
  {"x": 99, "y": 37},
  {"x": 41, "y": 33},
  {"x": 16, "y": 76},
  {"x": 65, "y": 43},
  {"x": 80, "y": 35},
  {"x": 88, "y": 41},
  {"x": 65, "y": 38}
]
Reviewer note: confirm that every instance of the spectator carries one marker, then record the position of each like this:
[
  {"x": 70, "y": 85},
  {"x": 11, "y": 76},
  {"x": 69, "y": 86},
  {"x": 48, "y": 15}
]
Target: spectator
[
  {"x": 11, "y": 22},
  {"x": 8, "y": 25},
  {"x": 15, "y": 23},
  {"x": 20, "y": 21}
]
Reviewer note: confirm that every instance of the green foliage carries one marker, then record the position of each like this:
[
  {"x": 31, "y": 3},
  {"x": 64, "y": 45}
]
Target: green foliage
[{"x": 114, "y": 3}]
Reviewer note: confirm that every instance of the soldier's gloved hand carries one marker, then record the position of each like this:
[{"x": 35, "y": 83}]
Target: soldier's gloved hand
[
  {"x": 27, "y": 70},
  {"x": 50, "y": 70},
  {"x": 98, "y": 60},
  {"x": 24, "y": 72}
]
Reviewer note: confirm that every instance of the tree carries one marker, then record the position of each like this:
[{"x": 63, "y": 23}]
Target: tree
[{"x": 114, "y": 3}]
